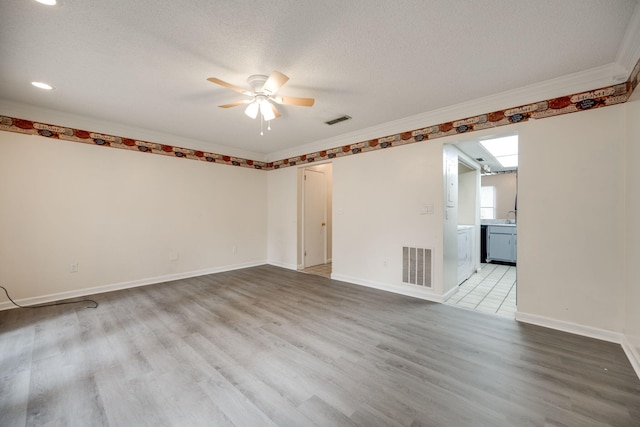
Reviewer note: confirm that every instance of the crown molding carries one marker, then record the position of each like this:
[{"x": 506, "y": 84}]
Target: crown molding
[
  {"x": 582, "y": 81},
  {"x": 629, "y": 50},
  {"x": 59, "y": 118}
]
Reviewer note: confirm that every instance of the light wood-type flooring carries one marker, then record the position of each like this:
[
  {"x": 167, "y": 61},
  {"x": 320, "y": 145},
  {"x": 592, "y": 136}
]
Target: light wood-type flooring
[
  {"x": 266, "y": 346},
  {"x": 323, "y": 270}
]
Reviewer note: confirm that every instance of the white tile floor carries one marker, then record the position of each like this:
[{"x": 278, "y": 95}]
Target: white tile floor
[{"x": 492, "y": 290}]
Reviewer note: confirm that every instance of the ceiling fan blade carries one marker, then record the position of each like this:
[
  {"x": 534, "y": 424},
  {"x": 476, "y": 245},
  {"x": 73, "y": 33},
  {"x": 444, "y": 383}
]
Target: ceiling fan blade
[
  {"x": 275, "y": 110},
  {"x": 274, "y": 82},
  {"x": 290, "y": 100},
  {"x": 228, "y": 85},
  {"x": 235, "y": 104}
]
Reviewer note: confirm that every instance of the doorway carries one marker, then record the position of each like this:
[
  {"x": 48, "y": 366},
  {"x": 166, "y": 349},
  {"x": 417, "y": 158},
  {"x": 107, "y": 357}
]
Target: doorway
[
  {"x": 489, "y": 204},
  {"x": 315, "y": 221}
]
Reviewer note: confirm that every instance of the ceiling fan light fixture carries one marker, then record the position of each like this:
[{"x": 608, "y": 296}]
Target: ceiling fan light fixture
[
  {"x": 266, "y": 109},
  {"x": 263, "y": 96},
  {"x": 252, "y": 110}
]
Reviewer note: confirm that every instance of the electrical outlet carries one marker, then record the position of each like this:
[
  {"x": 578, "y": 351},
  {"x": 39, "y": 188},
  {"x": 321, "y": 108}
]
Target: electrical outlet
[
  {"x": 73, "y": 267},
  {"x": 234, "y": 250}
]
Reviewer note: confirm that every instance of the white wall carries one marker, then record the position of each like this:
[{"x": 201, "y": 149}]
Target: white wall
[
  {"x": 377, "y": 202},
  {"x": 282, "y": 222},
  {"x": 632, "y": 297},
  {"x": 506, "y": 187},
  {"x": 120, "y": 215},
  {"x": 377, "y": 199},
  {"x": 571, "y": 219}
]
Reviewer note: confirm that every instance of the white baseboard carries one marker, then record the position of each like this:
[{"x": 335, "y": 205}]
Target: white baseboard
[
  {"x": 409, "y": 290},
  {"x": 602, "y": 334},
  {"x": 284, "y": 265},
  {"x": 632, "y": 354},
  {"x": 573, "y": 328},
  {"x": 451, "y": 292},
  {"x": 124, "y": 285}
]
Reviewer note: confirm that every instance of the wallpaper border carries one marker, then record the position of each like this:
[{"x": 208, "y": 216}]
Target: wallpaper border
[
  {"x": 583, "y": 101},
  {"x": 29, "y": 127}
]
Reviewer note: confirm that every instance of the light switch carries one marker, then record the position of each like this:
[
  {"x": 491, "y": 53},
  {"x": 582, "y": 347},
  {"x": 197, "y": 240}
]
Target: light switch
[{"x": 426, "y": 210}]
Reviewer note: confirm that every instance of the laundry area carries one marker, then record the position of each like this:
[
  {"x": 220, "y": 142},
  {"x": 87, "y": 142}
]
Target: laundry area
[{"x": 482, "y": 200}]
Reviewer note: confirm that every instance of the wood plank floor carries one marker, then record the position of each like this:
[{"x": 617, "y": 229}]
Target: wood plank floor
[
  {"x": 323, "y": 270},
  {"x": 266, "y": 346}
]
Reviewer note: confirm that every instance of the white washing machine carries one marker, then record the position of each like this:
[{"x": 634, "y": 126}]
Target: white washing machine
[{"x": 465, "y": 252}]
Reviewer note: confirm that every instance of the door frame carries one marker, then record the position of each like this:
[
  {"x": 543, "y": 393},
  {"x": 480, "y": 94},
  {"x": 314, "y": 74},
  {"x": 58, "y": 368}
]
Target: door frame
[
  {"x": 304, "y": 216},
  {"x": 300, "y": 215}
]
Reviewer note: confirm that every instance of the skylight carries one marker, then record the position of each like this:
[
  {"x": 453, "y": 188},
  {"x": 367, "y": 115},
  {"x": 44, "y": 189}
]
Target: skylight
[{"x": 504, "y": 149}]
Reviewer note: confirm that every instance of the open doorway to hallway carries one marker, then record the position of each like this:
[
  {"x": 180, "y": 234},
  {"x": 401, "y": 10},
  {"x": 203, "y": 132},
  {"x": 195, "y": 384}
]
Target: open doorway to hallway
[
  {"x": 323, "y": 270},
  {"x": 315, "y": 219}
]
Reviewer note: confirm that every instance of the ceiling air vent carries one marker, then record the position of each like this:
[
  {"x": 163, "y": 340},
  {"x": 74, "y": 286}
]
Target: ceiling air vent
[{"x": 338, "y": 120}]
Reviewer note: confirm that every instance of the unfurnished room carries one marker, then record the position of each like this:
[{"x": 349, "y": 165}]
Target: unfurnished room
[{"x": 319, "y": 213}]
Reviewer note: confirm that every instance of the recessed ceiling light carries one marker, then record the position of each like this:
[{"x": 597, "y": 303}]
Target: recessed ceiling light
[
  {"x": 47, "y": 2},
  {"x": 42, "y": 85}
]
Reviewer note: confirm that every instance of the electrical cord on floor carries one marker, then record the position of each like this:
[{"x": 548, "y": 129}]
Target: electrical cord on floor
[{"x": 48, "y": 305}]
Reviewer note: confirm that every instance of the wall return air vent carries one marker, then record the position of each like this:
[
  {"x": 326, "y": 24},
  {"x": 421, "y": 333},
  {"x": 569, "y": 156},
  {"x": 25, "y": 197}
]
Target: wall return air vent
[
  {"x": 416, "y": 266},
  {"x": 338, "y": 120}
]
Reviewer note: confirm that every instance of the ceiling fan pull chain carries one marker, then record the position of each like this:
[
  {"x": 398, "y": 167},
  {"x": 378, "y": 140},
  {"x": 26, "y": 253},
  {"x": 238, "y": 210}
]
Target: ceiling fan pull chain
[{"x": 261, "y": 122}]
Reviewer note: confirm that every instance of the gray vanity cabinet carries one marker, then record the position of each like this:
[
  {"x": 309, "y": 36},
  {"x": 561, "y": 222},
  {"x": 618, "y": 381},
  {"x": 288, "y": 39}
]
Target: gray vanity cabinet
[{"x": 501, "y": 243}]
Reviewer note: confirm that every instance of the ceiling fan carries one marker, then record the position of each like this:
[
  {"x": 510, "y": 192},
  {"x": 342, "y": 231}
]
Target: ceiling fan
[{"x": 263, "y": 95}]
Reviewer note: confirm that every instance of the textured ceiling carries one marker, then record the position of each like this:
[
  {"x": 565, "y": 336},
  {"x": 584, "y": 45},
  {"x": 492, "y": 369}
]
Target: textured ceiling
[{"x": 144, "y": 63}]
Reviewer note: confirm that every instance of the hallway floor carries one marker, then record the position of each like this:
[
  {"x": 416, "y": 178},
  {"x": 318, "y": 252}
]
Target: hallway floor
[
  {"x": 323, "y": 270},
  {"x": 492, "y": 290}
]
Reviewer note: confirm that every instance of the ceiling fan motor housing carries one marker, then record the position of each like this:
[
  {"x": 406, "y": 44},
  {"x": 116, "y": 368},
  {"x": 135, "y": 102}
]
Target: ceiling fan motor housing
[{"x": 256, "y": 82}]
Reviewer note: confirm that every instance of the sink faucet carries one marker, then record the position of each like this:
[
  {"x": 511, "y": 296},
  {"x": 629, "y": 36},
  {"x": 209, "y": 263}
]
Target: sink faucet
[{"x": 515, "y": 214}]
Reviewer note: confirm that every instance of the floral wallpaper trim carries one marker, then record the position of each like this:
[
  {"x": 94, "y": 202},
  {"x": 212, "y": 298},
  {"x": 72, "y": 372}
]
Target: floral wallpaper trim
[
  {"x": 610, "y": 95},
  {"x": 29, "y": 127}
]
